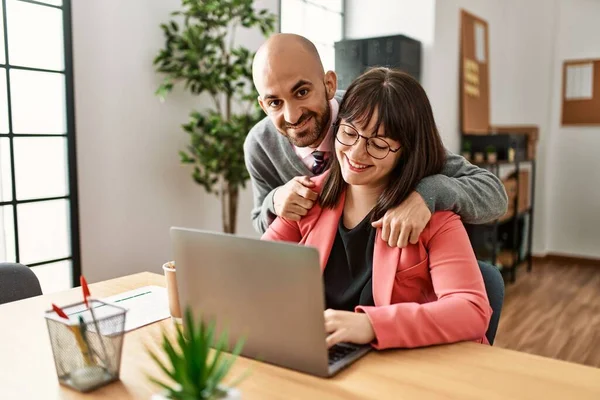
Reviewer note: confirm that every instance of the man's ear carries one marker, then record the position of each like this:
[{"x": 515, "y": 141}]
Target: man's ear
[
  {"x": 262, "y": 105},
  {"x": 330, "y": 81}
]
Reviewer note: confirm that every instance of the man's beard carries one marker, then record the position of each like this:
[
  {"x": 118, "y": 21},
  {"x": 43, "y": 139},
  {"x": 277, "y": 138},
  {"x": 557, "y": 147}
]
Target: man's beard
[{"x": 307, "y": 138}]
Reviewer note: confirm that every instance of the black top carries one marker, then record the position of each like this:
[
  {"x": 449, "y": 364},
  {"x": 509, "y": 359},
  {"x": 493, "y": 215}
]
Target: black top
[{"x": 348, "y": 274}]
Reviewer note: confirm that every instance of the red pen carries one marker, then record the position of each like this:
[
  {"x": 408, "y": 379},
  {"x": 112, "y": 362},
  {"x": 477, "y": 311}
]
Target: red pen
[
  {"x": 86, "y": 294},
  {"x": 59, "y": 311},
  {"x": 85, "y": 289}
]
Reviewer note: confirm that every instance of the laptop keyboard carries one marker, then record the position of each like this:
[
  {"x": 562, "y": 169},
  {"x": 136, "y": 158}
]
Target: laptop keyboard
[{"x": 336, "y": 352}]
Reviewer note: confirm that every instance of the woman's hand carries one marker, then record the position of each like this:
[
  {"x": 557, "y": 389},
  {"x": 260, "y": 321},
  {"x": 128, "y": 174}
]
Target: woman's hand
[{"x": 346, "y": 326}]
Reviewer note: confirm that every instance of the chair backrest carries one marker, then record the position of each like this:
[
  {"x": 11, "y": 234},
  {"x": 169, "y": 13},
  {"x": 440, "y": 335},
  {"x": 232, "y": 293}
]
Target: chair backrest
[
  {"x": 17, "y": 282},
  {"x": 494, "y": 286}
]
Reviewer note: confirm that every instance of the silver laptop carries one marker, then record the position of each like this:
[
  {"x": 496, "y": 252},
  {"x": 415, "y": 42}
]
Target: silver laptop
[{"x": 270, "y": 293}]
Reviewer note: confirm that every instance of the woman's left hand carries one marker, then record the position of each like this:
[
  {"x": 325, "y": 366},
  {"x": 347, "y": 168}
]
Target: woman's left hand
[{"x": 346, "y": 326}]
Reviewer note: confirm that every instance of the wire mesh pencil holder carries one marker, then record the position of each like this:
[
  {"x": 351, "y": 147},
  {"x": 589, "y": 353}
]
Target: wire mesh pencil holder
[{"x": 87, "y": 347}]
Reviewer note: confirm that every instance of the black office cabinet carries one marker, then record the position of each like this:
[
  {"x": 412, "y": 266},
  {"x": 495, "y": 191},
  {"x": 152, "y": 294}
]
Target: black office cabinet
[{"x": 355, "y": 56}]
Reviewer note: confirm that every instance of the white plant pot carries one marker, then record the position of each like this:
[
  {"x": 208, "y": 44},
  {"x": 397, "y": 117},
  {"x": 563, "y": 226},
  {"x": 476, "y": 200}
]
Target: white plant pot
[{"x": 231, "y": 394}]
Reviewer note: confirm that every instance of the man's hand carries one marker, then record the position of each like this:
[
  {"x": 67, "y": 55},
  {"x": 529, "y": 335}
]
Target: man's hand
[
  {"x": 349, "y": 327},
  {"x": 405, "y": 222},
  {"x": 293, "y": 200}
]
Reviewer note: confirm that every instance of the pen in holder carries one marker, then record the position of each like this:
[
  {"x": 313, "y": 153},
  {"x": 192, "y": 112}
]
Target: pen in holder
[{"x": 87, "y": 345}]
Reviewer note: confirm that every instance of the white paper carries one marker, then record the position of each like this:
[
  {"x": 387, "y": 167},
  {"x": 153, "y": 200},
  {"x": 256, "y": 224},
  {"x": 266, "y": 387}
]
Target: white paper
[
  {"x": 586, "y": 72},
  {"x": 580, "y": 82},
  {"x": 145, "y": 306},
  {"x": 479, "y": 42},
  {"x": 570, "y": 89}
]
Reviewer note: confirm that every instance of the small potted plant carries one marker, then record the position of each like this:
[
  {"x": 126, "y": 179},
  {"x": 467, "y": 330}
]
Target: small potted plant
[
  {"x": 491, "y": 154},
  {"x": 195, "y": 370},
  {"x": 466, "y": 153},
  {"x": 478, "y": 157}
]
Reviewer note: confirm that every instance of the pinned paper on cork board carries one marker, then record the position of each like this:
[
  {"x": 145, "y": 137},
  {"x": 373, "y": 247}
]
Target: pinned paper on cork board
[
  {"x": 581, "y": 92},
  {"x": 474, "y": 75}
]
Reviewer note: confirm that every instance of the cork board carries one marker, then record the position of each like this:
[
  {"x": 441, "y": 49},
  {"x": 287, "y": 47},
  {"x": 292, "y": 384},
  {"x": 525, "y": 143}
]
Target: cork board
[
  {"x": 581, "y": 92},
  {"x": 474, "y": 75}
]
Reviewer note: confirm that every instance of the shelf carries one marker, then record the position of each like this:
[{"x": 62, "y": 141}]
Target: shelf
[
  {"x": 522, "y": 263},
  {"x": 506, "y": 255},
  {"x": 499, "y": 163},
  {"x": 506, "y": 219},
  {"x": 504, "y": 239}
]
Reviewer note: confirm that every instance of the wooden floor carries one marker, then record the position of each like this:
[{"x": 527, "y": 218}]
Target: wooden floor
[{"x": 554, "y": 311}]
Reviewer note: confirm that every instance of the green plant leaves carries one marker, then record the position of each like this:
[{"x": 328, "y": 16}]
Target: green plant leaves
[
  {"x": 199, "y": 54},
  {"x": 197, "y": 372},
  {"x": 216, "y": 147}
]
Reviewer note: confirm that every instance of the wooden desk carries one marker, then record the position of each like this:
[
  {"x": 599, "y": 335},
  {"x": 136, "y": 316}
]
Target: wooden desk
[{"x": 459, "y": 371}]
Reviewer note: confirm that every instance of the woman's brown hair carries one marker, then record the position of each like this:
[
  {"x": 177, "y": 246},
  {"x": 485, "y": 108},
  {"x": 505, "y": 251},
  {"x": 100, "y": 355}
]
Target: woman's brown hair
[{"x": 405, "y": 113}]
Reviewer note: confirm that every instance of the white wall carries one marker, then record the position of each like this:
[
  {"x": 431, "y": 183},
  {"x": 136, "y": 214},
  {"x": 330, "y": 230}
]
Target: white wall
[
  {"x": 529, "y": 40},
  {"x": 573, "y": 162},
  {"x": 445, "y": 65},
  {"x": 521, "y": 39},
  {"x": 413, "y": 18},
  {"x": 521, "y": 50},
  {"x": 131, "y": 186},
  {"x": 436, "y": 24}
]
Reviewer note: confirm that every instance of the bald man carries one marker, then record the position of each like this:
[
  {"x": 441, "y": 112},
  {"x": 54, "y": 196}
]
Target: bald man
[{"x": 293, "y": 143}]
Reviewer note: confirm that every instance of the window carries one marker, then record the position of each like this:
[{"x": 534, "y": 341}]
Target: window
[
  {"x": 320, "y": 21},
  {"x": 39, "y": 224}
]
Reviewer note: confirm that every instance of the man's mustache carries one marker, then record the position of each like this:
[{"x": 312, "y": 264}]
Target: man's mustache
[{"x": 302, "y": 119}]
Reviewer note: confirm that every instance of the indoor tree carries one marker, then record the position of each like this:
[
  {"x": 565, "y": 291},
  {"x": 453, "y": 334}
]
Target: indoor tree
[{"x": 201, "y": 53}]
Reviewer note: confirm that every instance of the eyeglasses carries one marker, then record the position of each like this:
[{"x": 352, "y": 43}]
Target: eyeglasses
[{"x": 376, "y": 147}]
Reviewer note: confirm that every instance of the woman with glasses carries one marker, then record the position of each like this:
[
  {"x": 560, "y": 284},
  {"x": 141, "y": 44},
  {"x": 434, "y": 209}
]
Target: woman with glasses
[{"x": 427, "y": 293}]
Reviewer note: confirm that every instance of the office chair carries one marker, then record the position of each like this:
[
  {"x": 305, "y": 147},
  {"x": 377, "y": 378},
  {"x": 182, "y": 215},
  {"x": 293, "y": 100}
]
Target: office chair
[
  {"x": 494, "y": 286},
  {"x": 17, "y": 282}
]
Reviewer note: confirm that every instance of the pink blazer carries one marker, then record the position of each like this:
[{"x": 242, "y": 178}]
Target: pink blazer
[{"x": 428, "y": 293}]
